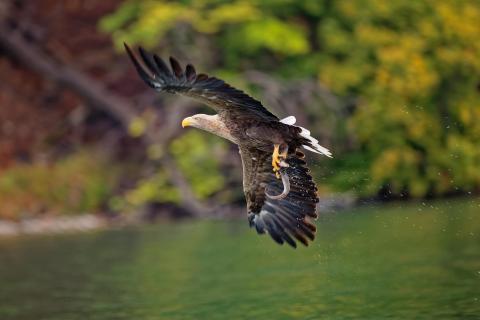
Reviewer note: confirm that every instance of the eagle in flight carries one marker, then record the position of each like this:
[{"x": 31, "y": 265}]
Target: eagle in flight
[{"x": 280, "y": 193}]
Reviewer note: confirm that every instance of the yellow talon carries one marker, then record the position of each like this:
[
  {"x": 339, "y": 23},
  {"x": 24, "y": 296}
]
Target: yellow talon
[{"x": 277, "y": 158}]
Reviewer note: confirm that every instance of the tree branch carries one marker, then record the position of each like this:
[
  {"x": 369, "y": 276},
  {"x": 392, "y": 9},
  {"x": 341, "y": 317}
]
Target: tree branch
[
  {"x": 98, "y": 97},
  {"x": 84, "y": 86}
]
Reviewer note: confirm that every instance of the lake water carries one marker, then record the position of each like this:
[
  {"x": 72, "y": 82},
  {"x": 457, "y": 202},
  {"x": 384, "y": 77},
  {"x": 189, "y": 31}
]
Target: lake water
[{"x": 400, "y": 261}]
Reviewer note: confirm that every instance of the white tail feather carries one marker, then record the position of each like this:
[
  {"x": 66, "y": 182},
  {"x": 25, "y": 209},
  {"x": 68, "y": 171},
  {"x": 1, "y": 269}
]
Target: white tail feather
[
  {"x": 316, "y": 147},
  {"x": 289, "y": 120},
  {"x": 305, "y": 133}
]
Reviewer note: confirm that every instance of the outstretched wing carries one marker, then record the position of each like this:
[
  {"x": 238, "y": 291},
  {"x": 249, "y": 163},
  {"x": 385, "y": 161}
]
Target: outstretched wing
[
  {"x": 283, "y": 219},
  {"x": 209, "y": 90}
]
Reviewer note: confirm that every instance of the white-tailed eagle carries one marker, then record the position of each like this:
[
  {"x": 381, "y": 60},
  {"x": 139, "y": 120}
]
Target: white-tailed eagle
[{"x": 281, "y": 195}]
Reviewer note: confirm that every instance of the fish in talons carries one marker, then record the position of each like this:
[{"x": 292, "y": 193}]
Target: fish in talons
[{"x": 286, "y": 185}]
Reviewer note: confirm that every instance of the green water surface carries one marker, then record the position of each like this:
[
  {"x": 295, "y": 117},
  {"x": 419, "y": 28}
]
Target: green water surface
[{"x": 415, "y": 261}]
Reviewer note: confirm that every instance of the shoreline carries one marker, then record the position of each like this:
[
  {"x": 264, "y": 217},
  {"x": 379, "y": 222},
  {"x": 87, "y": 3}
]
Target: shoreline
[
  {"x": 53, "y": 225},
  {"x": 90, "y": 222}
]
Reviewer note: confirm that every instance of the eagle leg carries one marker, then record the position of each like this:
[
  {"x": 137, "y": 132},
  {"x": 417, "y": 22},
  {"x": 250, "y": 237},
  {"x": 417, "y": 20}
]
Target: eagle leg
[{"x": 280, "y": 152}]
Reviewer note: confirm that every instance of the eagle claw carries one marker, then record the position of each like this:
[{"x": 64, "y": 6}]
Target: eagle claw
[{"x": 278, "y": 159}]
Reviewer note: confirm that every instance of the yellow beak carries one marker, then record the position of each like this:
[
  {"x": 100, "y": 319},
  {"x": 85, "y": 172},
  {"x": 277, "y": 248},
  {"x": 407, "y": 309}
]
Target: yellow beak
[{"x": 185, "y": 122}]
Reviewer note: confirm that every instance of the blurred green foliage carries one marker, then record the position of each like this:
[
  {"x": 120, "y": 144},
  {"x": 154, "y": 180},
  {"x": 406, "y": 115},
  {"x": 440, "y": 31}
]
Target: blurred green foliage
[
  {"x": 200, "y": 168},
  {"x": 414, "y": 66},
  {"x": 154, "y": 188},
  {"x": 77, "y": 184}
]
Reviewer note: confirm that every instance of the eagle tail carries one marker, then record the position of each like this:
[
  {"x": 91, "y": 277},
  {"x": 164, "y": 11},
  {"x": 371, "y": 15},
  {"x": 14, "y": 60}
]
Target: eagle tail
[{"x": 310, "y": 143}]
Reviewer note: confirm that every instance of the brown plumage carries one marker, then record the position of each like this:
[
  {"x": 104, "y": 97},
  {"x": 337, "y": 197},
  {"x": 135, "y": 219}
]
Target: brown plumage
[{"x": 257, "y": 132}]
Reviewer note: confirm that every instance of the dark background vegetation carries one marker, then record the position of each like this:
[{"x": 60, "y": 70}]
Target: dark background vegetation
[{"x": 392, "y": 88}]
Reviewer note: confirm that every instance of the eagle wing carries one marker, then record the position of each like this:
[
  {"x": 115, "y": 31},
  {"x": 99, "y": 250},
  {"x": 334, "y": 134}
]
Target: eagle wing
[
  {"x": 283, "y": 219},
  {"x": 209, "y": 90}
]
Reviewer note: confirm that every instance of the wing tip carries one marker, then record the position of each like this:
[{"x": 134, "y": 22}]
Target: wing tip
[
  {"x": 282, "y": 231},
  {"x": 143, "y": 71},
  {"x": 129, "y": 51},
  {"x": 176, "y": 67}
]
